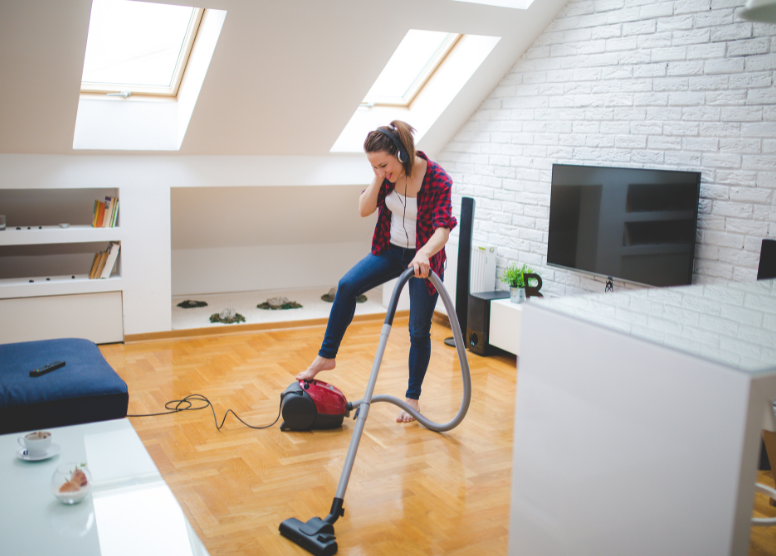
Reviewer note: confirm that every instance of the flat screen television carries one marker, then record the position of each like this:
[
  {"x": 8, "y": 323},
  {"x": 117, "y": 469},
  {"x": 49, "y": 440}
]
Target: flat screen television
[{"x": 627, "y": 223}]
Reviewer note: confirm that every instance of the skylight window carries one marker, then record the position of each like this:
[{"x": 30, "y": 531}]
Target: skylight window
[
  {"x": 413, "y": 62},
  {"x": 434, "y": 96},
  {"x": 138, "y": 47}
]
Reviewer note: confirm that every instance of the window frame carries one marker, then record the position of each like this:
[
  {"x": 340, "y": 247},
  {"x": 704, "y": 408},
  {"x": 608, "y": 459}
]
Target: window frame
[
  {"x": 423, "y": 77},
  {"x": 180, "y": 68}
]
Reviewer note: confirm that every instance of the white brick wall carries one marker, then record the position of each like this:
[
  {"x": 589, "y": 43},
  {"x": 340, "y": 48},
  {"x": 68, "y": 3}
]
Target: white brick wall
[{"x": 682, "y": 84}]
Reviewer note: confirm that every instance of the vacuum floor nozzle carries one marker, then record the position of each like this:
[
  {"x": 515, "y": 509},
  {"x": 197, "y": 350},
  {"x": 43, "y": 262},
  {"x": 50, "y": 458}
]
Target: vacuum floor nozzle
[{"x": 316, "y": 536}]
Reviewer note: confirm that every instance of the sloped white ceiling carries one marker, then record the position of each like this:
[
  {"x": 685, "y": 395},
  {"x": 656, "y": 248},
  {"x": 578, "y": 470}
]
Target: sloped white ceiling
[
  {"x": 41, "y": 59},
  {"x": 285, "y": 78}
]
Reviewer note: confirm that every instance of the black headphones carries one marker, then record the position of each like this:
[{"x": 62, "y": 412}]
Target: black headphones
[{"x": 401, "y": 152}]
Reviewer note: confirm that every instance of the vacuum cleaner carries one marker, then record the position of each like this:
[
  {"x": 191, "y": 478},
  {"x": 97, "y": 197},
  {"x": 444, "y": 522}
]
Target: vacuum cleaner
[
  {"x": 312, "y": 404},
  {"x": 315, "y": 404}
]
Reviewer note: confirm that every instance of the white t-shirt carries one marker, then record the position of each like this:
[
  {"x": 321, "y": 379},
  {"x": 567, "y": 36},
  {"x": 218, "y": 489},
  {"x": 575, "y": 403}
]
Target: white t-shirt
[{"x": 404, "y": 218}]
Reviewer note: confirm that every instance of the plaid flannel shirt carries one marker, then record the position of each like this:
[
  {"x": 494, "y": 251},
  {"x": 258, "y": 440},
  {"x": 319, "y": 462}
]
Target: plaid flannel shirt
[{"x": 435, "y": 210}]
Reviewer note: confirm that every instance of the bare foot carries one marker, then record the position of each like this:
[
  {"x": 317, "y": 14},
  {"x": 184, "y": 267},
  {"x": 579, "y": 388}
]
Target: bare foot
[
  {"x": 320, "y": 364},
  {"x": 405, "y": 417}
]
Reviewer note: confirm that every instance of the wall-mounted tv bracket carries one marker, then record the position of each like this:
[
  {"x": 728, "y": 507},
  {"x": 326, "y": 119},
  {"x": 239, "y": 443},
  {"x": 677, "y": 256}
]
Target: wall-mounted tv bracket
[{"x": 609, "y": 285}]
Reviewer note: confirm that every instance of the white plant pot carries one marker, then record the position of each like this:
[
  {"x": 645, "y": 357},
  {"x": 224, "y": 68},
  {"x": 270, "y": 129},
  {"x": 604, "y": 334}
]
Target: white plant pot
[{"x": 516, "y": 295}]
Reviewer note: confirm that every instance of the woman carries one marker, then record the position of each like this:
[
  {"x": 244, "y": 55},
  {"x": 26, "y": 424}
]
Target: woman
[{"x": 412, "y": 194}]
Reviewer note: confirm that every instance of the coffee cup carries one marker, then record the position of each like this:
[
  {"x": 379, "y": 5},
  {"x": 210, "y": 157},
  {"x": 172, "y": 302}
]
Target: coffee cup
[{"x": 37, "y": 443}]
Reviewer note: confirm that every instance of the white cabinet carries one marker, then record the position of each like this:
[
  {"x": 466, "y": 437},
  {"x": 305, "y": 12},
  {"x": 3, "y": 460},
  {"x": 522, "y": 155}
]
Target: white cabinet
[
  {"x": 93, "y": 316},
  {"x": 505, "y": 318},
  {"x": 642, "y": 397},
  {"x": 45, "y": 290}
]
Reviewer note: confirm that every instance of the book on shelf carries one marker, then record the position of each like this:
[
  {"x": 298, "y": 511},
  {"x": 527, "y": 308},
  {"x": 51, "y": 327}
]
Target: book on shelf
[
  {"x": 105, "y": 212},
  {"x": 100, "y": 215},
  {"x": 110, "y": 261},
  {"x": 100, "y": 264},
  {"x": 95, "y": 262},
  {"x": 96, "y": 212},
  {"x": 104, "y": 261}
]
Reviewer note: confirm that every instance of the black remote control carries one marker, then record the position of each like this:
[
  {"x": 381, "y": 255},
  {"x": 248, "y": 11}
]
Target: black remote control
[{"x": 47, "y": 368}]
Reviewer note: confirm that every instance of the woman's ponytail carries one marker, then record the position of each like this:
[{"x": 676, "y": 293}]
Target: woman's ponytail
[{"x": 404, "y": 131}]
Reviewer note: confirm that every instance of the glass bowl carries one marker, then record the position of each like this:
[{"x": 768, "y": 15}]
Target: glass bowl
[{"x": 71, "y": 483}]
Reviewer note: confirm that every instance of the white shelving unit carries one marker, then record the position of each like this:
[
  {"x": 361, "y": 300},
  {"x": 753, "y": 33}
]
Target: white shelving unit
[
  {"x": 55, "y": 234},
  {"x": 56, "y": 285},
  {"x": 64, "y": 297}
]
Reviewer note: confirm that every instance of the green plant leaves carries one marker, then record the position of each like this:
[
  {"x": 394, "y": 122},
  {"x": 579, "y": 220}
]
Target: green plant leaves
[{"x": 513, "y": 275}]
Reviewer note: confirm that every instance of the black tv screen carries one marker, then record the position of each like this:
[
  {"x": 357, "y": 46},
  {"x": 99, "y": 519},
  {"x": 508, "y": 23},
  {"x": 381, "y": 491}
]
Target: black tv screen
[{"x": 627, "y": 223}]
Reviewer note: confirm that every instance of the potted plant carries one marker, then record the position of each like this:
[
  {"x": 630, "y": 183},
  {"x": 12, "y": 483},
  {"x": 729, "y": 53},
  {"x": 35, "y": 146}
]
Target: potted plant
[{"x": 514, "y": 276}]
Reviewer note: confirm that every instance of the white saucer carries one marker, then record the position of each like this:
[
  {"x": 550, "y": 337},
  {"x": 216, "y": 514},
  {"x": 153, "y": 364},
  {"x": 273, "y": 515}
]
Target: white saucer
[{"x": 52, "y": 451}]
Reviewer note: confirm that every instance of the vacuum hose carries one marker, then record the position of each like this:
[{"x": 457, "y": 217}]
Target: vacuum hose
[
  {"x": 317, "y": 535},
  {"x": 459, "y": 346}
]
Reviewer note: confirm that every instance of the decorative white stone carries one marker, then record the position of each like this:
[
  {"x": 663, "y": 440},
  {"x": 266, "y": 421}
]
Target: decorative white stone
[
  {"x": 227, "y": 314},
  {"x": 277, "y": 301}
]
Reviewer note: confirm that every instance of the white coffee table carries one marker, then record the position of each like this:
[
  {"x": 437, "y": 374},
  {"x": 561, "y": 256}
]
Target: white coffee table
[{"x": 130, "y": 510}]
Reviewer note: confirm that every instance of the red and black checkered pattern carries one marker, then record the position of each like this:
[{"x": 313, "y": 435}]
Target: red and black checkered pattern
[{"x": 435, "y": 210}]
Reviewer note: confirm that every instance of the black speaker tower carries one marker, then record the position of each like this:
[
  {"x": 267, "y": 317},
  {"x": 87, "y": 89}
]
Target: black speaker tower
[
  {"x": 766, "y": 271},
  {"x": 464, "y": 265},
  {"x": 478, "y": 325},
  {"x": 767, "y": 268}
]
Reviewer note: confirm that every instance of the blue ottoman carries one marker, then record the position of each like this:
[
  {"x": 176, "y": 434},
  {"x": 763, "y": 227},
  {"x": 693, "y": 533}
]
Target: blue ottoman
[{"x": 85, "y": 390}]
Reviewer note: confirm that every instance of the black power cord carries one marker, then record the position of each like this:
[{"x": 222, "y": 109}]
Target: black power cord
[{"x": 190, "y": 407}]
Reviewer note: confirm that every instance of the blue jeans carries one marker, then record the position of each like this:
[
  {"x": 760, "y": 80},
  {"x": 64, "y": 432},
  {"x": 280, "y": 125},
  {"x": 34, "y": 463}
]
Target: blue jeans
[{"x": 369, "y": 273}]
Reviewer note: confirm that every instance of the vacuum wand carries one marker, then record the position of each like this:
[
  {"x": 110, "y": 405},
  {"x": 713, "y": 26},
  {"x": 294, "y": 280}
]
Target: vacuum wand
[
  {"x": 459, "y": 345},
  {"x": 317, "y": 535}
]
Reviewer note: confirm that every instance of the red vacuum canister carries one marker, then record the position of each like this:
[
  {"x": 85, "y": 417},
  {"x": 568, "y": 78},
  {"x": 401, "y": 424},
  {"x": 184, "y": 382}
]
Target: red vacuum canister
[{"x": 313, "y": 404}]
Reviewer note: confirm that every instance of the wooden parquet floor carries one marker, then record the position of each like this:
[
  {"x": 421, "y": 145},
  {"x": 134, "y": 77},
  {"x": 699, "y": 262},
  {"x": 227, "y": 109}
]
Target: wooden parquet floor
[{"x": 412, "y": 491}]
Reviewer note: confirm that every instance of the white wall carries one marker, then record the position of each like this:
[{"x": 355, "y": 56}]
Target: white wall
[
  {"x": 145, "y": 258},
  {"x": 680, "y": 84},
  {"x": 229, "y": 239},
  {"x": 145, "y": 185}
]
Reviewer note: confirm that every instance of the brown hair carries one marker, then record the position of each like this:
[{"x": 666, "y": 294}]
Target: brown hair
[{"x": 376, "y": 142}]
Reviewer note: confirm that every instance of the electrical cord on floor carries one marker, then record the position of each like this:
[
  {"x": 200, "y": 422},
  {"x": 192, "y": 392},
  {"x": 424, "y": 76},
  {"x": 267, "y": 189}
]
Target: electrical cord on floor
[{"x": 190, "y": 407}]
